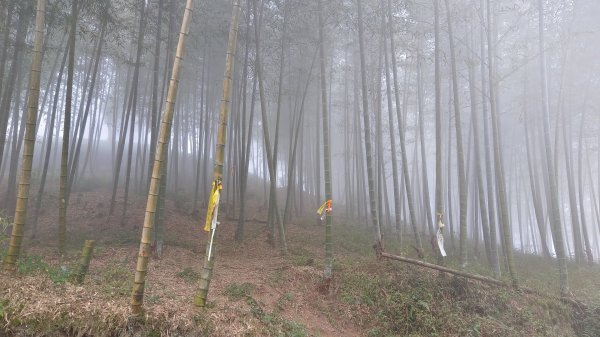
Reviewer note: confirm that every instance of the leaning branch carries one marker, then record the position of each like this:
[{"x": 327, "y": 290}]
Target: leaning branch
[{"x": 569, "y": 300}]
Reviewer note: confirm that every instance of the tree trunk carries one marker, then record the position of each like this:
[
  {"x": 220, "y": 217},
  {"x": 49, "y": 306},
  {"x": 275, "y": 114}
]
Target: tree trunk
[
  {"x": 134, "y": 98},
  {"x": 328, "y": 269},
  {"x": 79, "y": 140},
  {"x": 16, "y": 238},
  {"x": 439, "y": 197},
  {"x": 488, "y": 158},
  {"x": 397, "y": 198},
  {"x": 584, "y": 227},
  {"x": 462, "y": 181},
  {"x": 499, "y": 165},
  {"x": 480, "y": 184},
  {"x": 137, "y": 295},
  {"x": 12, "y": 75},
  {"x": 272, "y": 167},
  {"x": 63, "y": 197},
  {"x": 209, "y": 261},
  {"x": 553, "y": 206},
  {"x": 49, "y": 137},
  {"x": 367, "y": 128}
]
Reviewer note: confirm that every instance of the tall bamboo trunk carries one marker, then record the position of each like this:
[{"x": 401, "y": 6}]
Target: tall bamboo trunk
[
  {"x": 7, "y": 94},
  {"x": 209, "y": 261},
  {"x": 488, "y": 158},
  {"x": 477, "y": 163},
  {"x": 439, "y": 197},
  {"x": 535, "y": 191},
  {"x": 79, "y": 140},
  {"x": 271, "y": 164},
  {"x": 63, "y": 197},
  {"x": 401, "y": 130},
  {"x": 154, "y": 107},
  {"x": 49, "y": 139},
  {"x": 554, "y": 205},
  {"x": 279, "y": 98},
  {"x": 137, "y": 294},
  {"x": 498, "y": 159},
  {"x": 16, "y": 238},
  {"x": 462, "y": 181},
  {"x": 367, "y": 128},
  {"x": 328, "y": 270},
  {"x": 572, "y": 194},
  {"x": 140, "y": 43},
  {"x": 425, "y": 174},
  {"x": 398, "y": 220},
  {"x": 294, "y": 145},
  {"x": 584, "y": 227},
  {"x": 5, "y": 39}
]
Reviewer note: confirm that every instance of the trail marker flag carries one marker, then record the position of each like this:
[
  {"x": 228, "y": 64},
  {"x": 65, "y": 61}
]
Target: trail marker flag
[
  {"x": 213, "y": 206},
  {"x": 322, "y": 211},
  {"x": 212, "y": 213}
]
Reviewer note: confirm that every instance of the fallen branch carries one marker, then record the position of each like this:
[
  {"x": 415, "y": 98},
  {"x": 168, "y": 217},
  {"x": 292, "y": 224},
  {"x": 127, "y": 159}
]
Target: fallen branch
[
  {"x": 444, "y": 269},
  {"x": 569, "y": 300}
]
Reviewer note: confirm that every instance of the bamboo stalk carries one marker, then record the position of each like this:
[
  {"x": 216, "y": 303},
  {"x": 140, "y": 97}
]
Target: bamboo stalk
[
  {"x": 137, "y": 294},
  {"x": 209, "y": 260},
  {"x": 16, "y": 238}
]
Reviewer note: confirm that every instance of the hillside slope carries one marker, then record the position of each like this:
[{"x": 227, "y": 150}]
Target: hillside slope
[{"x": 257, "y": 292}]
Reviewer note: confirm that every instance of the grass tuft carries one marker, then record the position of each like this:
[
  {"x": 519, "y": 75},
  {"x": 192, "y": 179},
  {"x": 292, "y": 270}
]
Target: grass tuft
[
  {"x": 188, "y": 275},
  {"x": 237, "y": 291}
]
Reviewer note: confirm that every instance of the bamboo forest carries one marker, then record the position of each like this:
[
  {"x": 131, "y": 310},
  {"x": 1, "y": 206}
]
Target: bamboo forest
[{"x": 299, "y": 168}]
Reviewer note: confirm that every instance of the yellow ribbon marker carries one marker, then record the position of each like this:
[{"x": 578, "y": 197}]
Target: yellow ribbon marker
[
  {"x": 212, "y": 212},
  {"x": 322, "y": 211},
  {"x": 213, "y": 205}
]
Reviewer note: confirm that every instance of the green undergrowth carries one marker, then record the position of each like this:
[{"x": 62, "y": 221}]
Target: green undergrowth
[
  {"x": 31, "y": 264},
  {"x": 402, "y": 301},
  {"x": 392, "y": 298},
  {"x": 188, "y": 275},
  {"x": 115, "y": 280}
]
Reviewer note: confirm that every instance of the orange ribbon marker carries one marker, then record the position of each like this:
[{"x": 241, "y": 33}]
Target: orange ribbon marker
[{"x": 324, "y": 209}]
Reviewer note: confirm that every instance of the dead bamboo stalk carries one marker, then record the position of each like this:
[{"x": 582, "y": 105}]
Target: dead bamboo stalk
[
  {"x": 569, "y": 300},
  {"x": 444, "y": 269}
]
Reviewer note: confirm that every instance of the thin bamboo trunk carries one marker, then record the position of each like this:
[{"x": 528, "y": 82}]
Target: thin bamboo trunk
[
  {"x": 63, "y": 191},
  {"x": 272, "y": 165},
  {"x": 7, "y": 94},
  {"x": 209, "y": 260},
  {"x": 439, "y": 197},
  {"x": 38, "y": 203},
  {"x": 328, "y": 269},
  {"x": 584, "y": 226},
  {"x": 390, "y": 35},
  {"x": 553, "y": 205},
  {"x": 367, "y": 128},
  {"x": 498, "y": 160},
  {"x": 462, "y": 182}
]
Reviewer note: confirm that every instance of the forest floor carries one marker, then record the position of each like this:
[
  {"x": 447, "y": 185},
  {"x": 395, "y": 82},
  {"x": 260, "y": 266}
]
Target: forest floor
[{"x": 256, "y": 291}]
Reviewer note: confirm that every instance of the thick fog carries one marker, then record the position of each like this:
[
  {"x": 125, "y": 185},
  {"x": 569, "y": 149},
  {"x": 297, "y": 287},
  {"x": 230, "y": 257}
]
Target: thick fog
[{"x": 509, "y": 86}]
